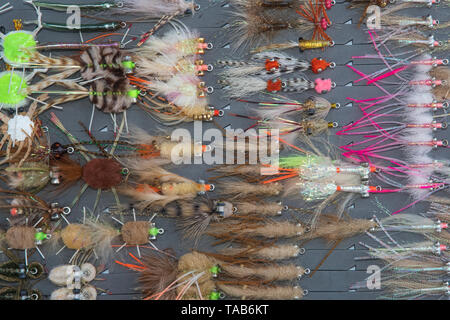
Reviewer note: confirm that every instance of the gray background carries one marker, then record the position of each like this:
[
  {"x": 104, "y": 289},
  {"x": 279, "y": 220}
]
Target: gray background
[{"x": 340, "y": 271}]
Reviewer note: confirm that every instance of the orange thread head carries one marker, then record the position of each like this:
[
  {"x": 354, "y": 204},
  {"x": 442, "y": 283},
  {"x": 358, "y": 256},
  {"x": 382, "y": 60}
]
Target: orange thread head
[
  {"x": 318, "y": 65},
  {"x": 274, "y": 86},
  {"x": 272, "y": 65}
]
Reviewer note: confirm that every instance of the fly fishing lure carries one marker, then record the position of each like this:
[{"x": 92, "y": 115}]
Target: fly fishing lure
[
  {"x": 74, "y": 280},
  {"x": 426, "y": 22},
  {"x": 410, "y": 36},
  {"x": 252, "y": 27},
  {"x": 315, "y": 177},
  {"x": 332, "y": 229},
  {"x": 277, "y": 4},
  {"x": 240, "y": 87},
  {"x": 281, "y": 115},
  {"x": 15, "y": 270},
  {"x": 183, "y": 90},
  {"x": 103, "y": 68},
  {"x": 180, "y": 42},
  {"x": 427, "y": 85},
  {"x": 150, "y": 184},
  {"x": 107, "y": 94},
  {"x": 264, "y": 228},
  {"x": 102, "y": 170},
  {"x": 177, "y": 51},
  {"x": 24, "y": 205},
  {"x": 403, "y": 289},
  {"x": 413, "y": 277},
  {"x": 22, "y": 131},
  {"x": 142, "y": 8},
  {"x": 271, "y": 64},
  {"x": 25, "y": 236},
  {"x": 164, "y": 67},
  {"x": 301, "y": 44},
  {"x": 393, "y": 6},
  {"x": 269, "y": 252},
  {"x": 415, "y": 268},
  {"x": 313, "y": 108},
  {"x": 165, "y": 10},
  {"x": 194, "y": 218},
  {"x": 162, "y": 147},
  {"x": 21, "y": 292},
  {"x": 96, "y": 235},
  {"x": 170, "y": 114},
  {"x": 197, "y": 276}
]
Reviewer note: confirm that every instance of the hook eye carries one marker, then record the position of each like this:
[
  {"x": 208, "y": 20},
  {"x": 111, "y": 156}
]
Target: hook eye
[
  {"x": 302, "y": 251},
  {"x": 445, "y": 62},
  {"x": 119, "y": 4},
  {"x": 332, "y": 65},
  {"x": 444, "y": 125},
  {"x": 333, "y": 85},
  {"x": 307, "y": 271},
  {"x": 123, "y": 25},
  {"x": 66, "y": 210},
  {"x": 332, "y": 43},
  {"x": 70, "y": 150},
  {"x": 305, "y": 292},
  {"x": 125, "y": 171},
  {"x": 45, "y": 128},
  {"x": 210, "y": 67},
  {"x": 445, "y": 105},
  {"x": 209, "y": 89},
  {"x": 212, "y": 187},
  {"x": 221, "y": 113},
  {"x": 335, "y": 124},
  {"x": 337, "y": 105},
  {"x": 209, "y": 46},
  {"x": 160, "y": 231},
  {"x": 197, "y": 7},
  {"x": 445, "y": 143}
]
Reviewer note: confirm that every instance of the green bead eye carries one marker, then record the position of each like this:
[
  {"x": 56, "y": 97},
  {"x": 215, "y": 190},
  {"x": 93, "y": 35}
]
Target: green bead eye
[
  {"x": 129, "y": 64},
  {"x": 215, "y": 270},
  {"x": 153, "y": 232},
  {"x": 214, "y": 295},
  {"x": 133, "y": 93},
  {"x": 40, "y": 236}
]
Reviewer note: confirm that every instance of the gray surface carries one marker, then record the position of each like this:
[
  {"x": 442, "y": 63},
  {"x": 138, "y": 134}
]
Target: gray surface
[{"x": 335, "y": 276}]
